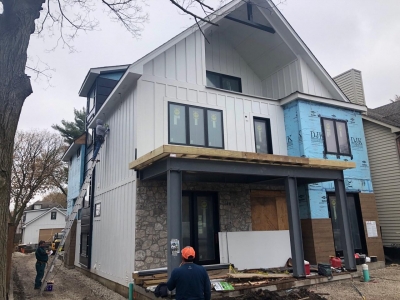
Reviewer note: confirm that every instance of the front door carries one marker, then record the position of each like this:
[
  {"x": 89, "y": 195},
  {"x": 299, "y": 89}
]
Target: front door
[
  {"x": 200, "y": 225},
  {"x": 355, "y": 217}
]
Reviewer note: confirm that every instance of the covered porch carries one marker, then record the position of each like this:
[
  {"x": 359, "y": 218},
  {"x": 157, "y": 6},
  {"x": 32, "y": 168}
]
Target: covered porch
[{"x": 180, "y": 165}]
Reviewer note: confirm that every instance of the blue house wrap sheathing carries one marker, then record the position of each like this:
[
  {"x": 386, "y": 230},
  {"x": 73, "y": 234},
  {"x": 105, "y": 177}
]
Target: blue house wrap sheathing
[{"x": 305, "y": 138}]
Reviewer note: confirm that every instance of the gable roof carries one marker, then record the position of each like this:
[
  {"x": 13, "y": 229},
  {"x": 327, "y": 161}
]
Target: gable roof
[
  {"x": 274, "y": 17},
  {"x": 44, "y": 205},
  {"x": 45, "y": 213}
]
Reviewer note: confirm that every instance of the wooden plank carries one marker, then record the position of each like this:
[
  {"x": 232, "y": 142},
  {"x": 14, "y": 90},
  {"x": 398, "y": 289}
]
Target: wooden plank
[
  {"x": 218, "y": 154},
  {"x": 148, "y": 283},
  {"x": 282, "y": 214},
  {"x": 255, "y": 275}
]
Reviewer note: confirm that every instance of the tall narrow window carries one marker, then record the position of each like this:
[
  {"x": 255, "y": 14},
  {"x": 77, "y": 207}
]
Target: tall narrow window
[
  {"x": 336, "y": 137},
  {"x": 262, "y": 135},
  {"x": 195, "y": 126},
  {"x": 53, "y": 215},
  {"x": 91, "y": 100}
]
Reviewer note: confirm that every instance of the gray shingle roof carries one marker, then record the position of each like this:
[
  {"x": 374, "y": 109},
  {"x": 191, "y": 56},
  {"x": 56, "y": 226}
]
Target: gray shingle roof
[{"x": 389, "y": 113}]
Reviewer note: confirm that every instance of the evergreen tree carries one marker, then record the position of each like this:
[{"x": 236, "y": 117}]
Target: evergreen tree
[{"x": 70, "y": 131}]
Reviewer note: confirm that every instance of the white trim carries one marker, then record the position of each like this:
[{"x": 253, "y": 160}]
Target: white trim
[
  {"x": 332, "y": 102},
  {"x": 394, "y": 129}
]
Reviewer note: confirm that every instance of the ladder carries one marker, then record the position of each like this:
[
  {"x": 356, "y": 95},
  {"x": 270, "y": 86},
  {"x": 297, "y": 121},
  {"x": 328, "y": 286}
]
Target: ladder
[{"x": 70, "y": 221}]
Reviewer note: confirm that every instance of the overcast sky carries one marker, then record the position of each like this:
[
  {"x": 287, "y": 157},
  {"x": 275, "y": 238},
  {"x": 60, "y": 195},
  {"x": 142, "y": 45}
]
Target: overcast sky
[{"x": 342, "y": 34}]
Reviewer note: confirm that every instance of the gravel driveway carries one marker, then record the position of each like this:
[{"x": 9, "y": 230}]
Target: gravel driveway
[
  {"x": 69, "y": 284},
  {"x": 377, "y": 289}
]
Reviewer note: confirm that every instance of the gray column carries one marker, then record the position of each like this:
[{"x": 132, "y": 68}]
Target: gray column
[
  {"x": 346, "y": 237},
  {"x": 296, "y": 239},
  {"x": 174, "y": 218}
]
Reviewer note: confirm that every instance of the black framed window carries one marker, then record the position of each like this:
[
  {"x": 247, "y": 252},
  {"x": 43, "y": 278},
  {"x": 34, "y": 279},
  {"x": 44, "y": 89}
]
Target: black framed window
[
  {"x": 90, "y": 136},
  {"x": 262, "y": 135},
  {"x": 91, "y": 99},
  {"x": 224, "y": 82},
  {"x": 336, "y": 136},
  {"x": 97, "y": 209},
  {"x": 53, "y": 215},
  {"x": 195, "y": 126}
]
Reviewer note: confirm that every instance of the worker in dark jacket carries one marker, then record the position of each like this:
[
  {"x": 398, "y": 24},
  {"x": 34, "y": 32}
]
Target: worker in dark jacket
[
  {"x": 190, "y": 280},
  {"x": 42, "y": 256},
  {"x": 99, "y": 139}
]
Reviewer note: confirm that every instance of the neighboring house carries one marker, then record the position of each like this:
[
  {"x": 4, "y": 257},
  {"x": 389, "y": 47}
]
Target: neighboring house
[
  {"x": 382, "y": 132},
  {"x": 41, "y": 221},
  {"x": 244, "y": 148}
]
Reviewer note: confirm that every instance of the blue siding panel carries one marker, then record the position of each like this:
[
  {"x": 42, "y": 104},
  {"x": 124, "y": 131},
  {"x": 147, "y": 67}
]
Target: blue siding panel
[{"x": 75, "y": 178}]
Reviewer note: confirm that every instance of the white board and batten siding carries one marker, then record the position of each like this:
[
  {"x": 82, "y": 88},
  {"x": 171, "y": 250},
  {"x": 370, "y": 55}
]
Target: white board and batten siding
[
  {"x": 238, "y": 112},
  {"x": 115, "y": 189},
  {"x": 222, "y": 58},
  {"x": 385, "y": 173}
]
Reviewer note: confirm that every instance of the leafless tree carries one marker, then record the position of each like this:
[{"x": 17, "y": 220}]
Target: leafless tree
[
  {"x": 396, "y": 98},
  {"x": 56, "y": 197},
  {"x": 36, "y": 163}
]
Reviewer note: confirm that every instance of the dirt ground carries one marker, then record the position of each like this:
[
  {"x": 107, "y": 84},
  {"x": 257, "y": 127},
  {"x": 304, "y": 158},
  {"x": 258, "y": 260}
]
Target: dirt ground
[{"x": 69, "y": 284}]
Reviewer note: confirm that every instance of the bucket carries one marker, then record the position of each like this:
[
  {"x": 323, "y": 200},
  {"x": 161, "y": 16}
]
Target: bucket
[
  {"x": 336, "y": 262},
  {"x": 49, "y": 286},
  {"x": 307, "y": 267}
]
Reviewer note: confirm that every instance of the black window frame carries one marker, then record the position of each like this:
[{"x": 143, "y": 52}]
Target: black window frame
[
  {"x": 268, "y": 137},
  {"x": 98, "y": 204},
  {"x": 91, "y": 132},
  {"x": 338, "y": 153},
  {"x": 187, "y": 125},
  {"x": 93, "y": 89},
  {"x": 221, "y": 77},
  {"x": 53, "y": 213}
]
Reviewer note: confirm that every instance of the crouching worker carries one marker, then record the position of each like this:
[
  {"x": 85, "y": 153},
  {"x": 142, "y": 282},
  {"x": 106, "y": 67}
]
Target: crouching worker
[
  {"x": 99, "y": 139},
  {"x": 190, "y": 280},
  {"x": 42, "y": 256}
]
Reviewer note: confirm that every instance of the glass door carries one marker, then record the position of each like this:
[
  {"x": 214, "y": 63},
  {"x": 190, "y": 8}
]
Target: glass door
[
  {"x": 200, "y": 225},
  {"x": 356, "y": 224}
]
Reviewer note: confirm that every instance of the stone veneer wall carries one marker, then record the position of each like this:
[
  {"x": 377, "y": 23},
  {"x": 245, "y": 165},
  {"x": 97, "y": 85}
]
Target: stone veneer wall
[{"x": 151, "y": 216}]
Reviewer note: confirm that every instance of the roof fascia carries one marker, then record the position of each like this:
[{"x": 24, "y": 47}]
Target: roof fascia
[
  {"x": 393, "y": 129},
  {"x": 305, "y": 52},
  {"x": 94, "y": 73},
  {"x": 332, "y": 102},
  {"x": 70, "y": 151}
]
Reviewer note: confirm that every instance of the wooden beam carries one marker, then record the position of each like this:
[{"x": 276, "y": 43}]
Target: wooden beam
[
  {"x": 252, "y": 24},
  {"x": 239, "y": 156}
]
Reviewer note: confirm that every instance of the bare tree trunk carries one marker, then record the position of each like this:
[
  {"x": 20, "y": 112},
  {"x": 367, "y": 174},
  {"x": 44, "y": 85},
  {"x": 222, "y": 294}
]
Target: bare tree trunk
[{"x": 16, "y": 26}]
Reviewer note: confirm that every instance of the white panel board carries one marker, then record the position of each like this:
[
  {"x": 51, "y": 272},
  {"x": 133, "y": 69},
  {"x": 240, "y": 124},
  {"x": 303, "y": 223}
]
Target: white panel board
[{"x": 255, "y": 249}]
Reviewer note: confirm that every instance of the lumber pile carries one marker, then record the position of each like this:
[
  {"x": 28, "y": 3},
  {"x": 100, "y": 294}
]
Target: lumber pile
[{"x": 156, "y": 279}]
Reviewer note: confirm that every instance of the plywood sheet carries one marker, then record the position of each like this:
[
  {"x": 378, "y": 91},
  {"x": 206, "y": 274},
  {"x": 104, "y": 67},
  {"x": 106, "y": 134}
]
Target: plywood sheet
[
  {"x": 47, "y": 234},
  {"x": 263, "y": 214},
  {"x": 282, "y": 214},
  {"x": 255, "y": 249}
]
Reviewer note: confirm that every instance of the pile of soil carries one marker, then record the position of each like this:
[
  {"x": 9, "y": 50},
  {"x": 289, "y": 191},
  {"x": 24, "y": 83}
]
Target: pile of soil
[{"x": 267, "y": 295}]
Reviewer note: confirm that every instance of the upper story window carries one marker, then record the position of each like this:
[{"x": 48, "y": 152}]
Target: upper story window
[
  {"x": 53, "y": 215},
  {"x": 262, "y": 135},
  {"x": 224, "y": 82},
  {"x": 37, "y": 206},
  {"x": 89, "y": 137},
  {"x": 78, "y": 152},
  {"x": 91, "y": 99},
  {"x": 195, "y": 126},
  {"x": 24, "y": 218},
  {"x": 336, "y": 137}
]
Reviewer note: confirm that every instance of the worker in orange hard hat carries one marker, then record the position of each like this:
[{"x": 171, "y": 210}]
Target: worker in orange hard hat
[{"x": 190, "y": 280}]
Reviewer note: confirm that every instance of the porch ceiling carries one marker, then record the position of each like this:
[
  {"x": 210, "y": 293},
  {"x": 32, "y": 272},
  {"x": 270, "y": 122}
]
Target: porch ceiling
[
  {"x": 208, "y": 154},
  {"x": 264, "y": 52}
]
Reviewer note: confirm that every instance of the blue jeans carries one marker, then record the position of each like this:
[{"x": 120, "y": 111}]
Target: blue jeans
[
  {"x": 39, "y": 274},
  {"x": 97, "y": 145}
]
